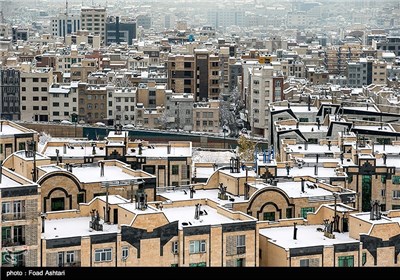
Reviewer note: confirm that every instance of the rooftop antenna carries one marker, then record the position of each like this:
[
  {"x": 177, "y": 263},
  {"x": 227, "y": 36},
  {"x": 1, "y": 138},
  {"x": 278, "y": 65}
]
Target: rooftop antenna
[{"x": 66, "y": 7}]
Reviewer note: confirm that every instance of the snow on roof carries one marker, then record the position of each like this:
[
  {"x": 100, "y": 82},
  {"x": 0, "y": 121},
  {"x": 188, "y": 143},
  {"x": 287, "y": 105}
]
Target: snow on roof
[
  {"x": 24, "y": 155},
  {"x": 113, "y": 134},
  {"x": 293, "y": 190},
  {"x": 8, "y": 182},
  {"x": 242, "y": 173},
  {"x": 216, "y": 156},
  {"x": 365, "y": 216},
  {"x": 212, "y": 194},
  {"x": 389, "y": 149},
  {"x": 297, "y": 109},
  {"x": 10, "y": 130},
  {"x": 313, "y": 148},
  {"x": 307, "y": 128},
  {"x": 132, "y": 208},
  {"x": 323, "y": 172},
  {"x": 80, "y": 150},
  {"x": 362, "y": 108},
  {"x": 88, "y": 174},
  {"x": 162, "y": 151},
  {"x": 70, "y": 227},
  {"x": 375, "y": 127},
  {"x": 307, "y": 236},
  {"x": 113, "y": 199},
  {"x": 186, "y": 215}
]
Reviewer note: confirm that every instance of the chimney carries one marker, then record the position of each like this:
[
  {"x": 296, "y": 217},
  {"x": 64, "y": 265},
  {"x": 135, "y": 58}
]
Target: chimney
[
  {"x": 329, "y": 145},
  {"x": 317, "y": 157},
  {"x": 101, "y": 168},
  {"x": 316, "y": 169},
  {"x": 168, "y": 149},
  {"x": 309, "y": 102},
  {"x": 197, "y": 211},
  {"x": 294, "y": 231},
  {"x": 64, "y": 148},
  {"x": 1, "y": 171},
  {"x": 57, "y": 153},
  {"x": 302, "y": 185},
  {"x": 384, "y": 156},
  {"x": 318, "y": 123}
]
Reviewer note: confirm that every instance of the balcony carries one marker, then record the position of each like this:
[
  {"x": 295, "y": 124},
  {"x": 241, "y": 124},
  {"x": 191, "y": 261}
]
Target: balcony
[
  {"x": 13, "y": 216},
  {"x": 11, "y": 242},
  {"x": 241, "y": 250},
  {"x": 70, "y": 264}
]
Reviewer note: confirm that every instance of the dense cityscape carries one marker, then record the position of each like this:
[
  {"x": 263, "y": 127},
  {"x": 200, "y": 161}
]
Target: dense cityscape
[{"x": 197, "y": 133}]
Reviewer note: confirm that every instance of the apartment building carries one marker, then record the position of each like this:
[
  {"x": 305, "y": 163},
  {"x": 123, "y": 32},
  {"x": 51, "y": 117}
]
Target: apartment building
[
  {"x": 63, "y": 101},
  {"x": 390, "y": 43},
  {"x": 206, "y": 116},
  {"x": 265, "y": 86},
  {"x": 181, "y": 73},
  {"x": 121, "y": 104},
  {"x": 65, "y": 24},
  {"x": 14, "y": 138},
  {"x": 35, "y": 84},
  {"x": 92, "y": 103},
  {"x": 93, "y": 19},
  {"x": 20, "y": 220},
  {"x": 179, "y": 110},
  {"x": 81, "y": 70},
  {"x": 10, "y": 94},
  {"x": 127, "y": 239}
]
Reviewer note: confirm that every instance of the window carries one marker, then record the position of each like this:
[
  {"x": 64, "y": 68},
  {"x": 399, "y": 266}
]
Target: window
[
  {"x": 269, "y": 216},
  {"x": 35, "y": 80},
  {"x": 43, "y": 88},
  {"x": 175, "y": 169},
  {"x": 125, "y": 253},
  {"x": 6, "y": 208},
  {"x": 80, "y": 198},
  {"x": 241, "y": 244},
  {"x": 383, "y": 178},
  {"x": 102, "y": 255},
  {"x": 56, "y": 104},
  {"x": 57, "y": 204},
  {"x": 396, "y": 180},
  {"x": 70, "y": 257},
  {"x": 364, "y": 258},
  {"x": 197, "y": 246},
  {"x": 35, "y": 98},
  {"x": 309, "y": 262},
  {"x": 21, "y": 146},
  {"x": 35, "y": 89},
  {"x": 346, "y": 261},
  {"x": 44, "y": 98},
  {"x": 289, "y": 213},
  {"x": 304, "y": 211},
  {"x": 396, "y": 194},
  {"x": 43, "y": 80},
  {"x": 383, "y": 192},
  {"x": 395, "y": 207},
  {"x": 303, "y": 119},
  {"x": 175, "y": 248}
]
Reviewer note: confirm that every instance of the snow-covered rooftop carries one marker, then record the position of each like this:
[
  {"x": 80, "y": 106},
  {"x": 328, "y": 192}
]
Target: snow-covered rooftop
[
  {"x": 212, "y": 194},
  {"x": 323, "y": 172},
  {"x": 297, "y": 109},
  {"x": 7, "y": 182},
  {"x": 161, "y": 151},
  {"x": 216, "y": 156},
  {"x": 365, "y": 216},
  {"x": 23, "y": 154},
  {"x": 69, "y": 227},
  {"x": 186, "y": 215},
  {"x": 7, "y": 129},
  {"x": 75, "y": 150},
  {"x": 307, "y": 236},
  {"x": 313, "y": 148}
]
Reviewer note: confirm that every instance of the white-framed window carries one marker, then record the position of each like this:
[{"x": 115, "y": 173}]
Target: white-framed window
[
  {"x": 70, "y": 257},
  {"x": 197, "y": 246},
  {"x": 125, "y": 253},
  {"x": 103, "y": 255},
  {"x": 175, "y": 248},
  {"x": 241, "y": 244},
  {"x": 396, "y": 194},
  {"x": 6, "y": 208}
]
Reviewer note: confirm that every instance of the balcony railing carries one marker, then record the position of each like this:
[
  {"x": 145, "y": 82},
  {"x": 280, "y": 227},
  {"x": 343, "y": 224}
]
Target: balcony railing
[
  {"x": 71, "y": 264},
  {"x": 241, "y": 250},
  {"x": 13, "y": 216},
  {"x": 10, "y": 242}
]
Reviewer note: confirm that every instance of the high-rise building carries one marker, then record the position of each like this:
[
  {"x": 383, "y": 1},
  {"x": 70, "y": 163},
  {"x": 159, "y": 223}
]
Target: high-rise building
[
  {"x": 65, "y": 24},
  {"x": 9, "y": 94},
  {"x": 93, "y": 19}
]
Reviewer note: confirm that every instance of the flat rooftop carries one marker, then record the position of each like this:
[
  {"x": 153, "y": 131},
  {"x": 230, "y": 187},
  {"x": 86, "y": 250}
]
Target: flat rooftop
[
  {"x": 186, "y": 215},
  {"x": 293, "y": 189},
  {"x": 297, "y": 109},
  {"x": 161, "y": 151},
  {"x": 7, "y": 129},
  {"x": 75, "y": 150},
  {"x": 70, "y": 227},
  {"x": 307, "y": 236},
  {"x": 212, "y": 194},
  {"x": 91, "y": 173},
  {"x": 312, "y": 148},
  {"x": 307, "y": 171},
  {"x": 365, "y": 216}
]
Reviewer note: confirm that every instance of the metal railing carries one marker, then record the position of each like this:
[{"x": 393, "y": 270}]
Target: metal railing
[
  {"x": 10, "y": 242},
  {"x": 13, "y": 216}
]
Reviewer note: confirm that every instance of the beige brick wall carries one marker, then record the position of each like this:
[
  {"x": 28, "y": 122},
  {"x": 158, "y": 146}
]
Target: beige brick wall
[{"x": 328, "y": 258}]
